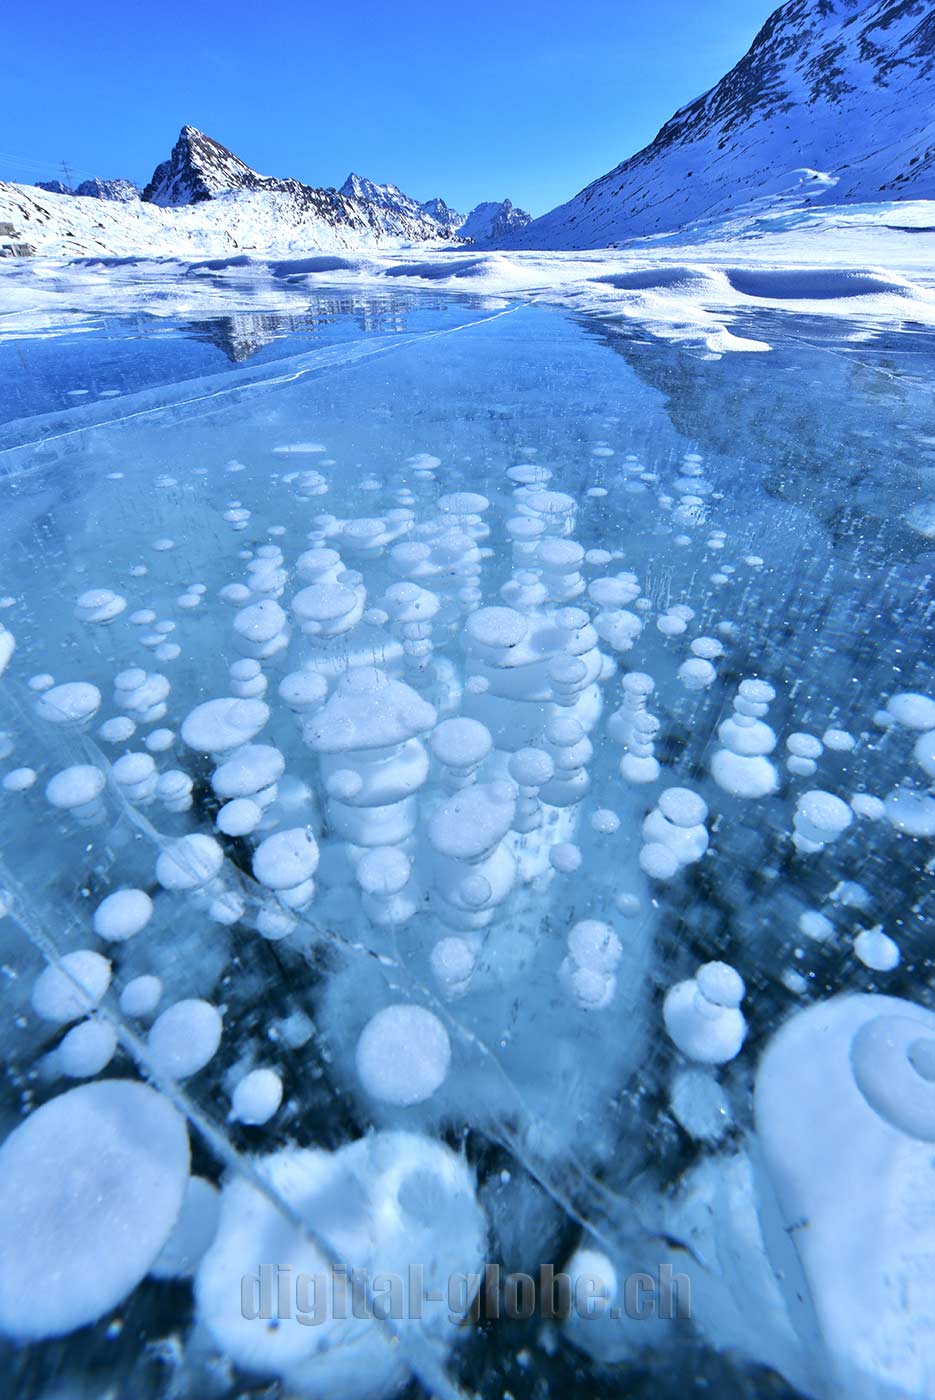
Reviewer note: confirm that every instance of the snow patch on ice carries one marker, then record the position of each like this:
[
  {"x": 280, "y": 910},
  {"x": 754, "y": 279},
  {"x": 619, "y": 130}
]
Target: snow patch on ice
[{"x": 868, "y": 262}]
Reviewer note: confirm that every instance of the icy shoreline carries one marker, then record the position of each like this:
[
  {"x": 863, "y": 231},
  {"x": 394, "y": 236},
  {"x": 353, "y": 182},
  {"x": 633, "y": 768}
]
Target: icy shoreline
[{"x": 865, "y": 264}]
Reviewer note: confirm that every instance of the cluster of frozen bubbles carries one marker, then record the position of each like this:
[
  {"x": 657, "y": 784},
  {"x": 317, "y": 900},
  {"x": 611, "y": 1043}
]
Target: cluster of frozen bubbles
[{"x": 439, "y": 678}]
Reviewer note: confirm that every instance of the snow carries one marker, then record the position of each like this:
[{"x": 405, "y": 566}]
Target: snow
[
  {"x": 866, "y": 262},
  {"x": 441, "y": 221},
  {"x": 206, "y": 202},
  {"x": 765, "y": 191},
  {"x": 490, "y": 221}
]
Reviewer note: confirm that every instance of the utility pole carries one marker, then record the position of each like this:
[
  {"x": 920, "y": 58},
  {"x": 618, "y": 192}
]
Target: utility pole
[{"x": 68, "y": 177}]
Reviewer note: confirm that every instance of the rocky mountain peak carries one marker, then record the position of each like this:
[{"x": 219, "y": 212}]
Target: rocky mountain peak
[{"x": 199, "y": 168}]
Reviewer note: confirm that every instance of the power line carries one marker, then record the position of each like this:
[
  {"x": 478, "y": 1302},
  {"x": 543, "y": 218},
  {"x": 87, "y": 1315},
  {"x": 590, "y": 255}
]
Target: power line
[{"x": 46, "y": 167}]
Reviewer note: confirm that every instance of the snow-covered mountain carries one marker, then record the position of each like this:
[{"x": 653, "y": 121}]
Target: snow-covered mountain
[
  {"x": 448, "y": 219},
  {"x": 832, "y": 95},
  {"x": 124, "y": 191},
  {"x": 253, "y": 222},
  {"x": 392, "y": 198},
  {"x": 487, "y": 223},
  {"x": 200, "y": 169},
  {"x": 204, "y": 201}
]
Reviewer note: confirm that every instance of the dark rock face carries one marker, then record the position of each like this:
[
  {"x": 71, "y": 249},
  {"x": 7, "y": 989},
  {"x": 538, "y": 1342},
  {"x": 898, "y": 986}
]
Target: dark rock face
[{"x": 198, "y": 169}]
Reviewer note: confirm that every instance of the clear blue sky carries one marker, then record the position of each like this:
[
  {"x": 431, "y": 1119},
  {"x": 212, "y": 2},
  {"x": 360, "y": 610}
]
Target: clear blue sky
[{"x": 529, "y": 99}]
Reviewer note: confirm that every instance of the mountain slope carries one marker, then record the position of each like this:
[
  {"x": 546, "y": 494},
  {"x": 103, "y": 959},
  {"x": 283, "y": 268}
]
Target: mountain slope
[
  {"x": 487, "y": 223},
  {"x": 123, "y": 190},
  {"x": 199, "y": 168},
  {"x": 434, "y": 214},
  {"x": 274, "y": 223},
  {"x": 831, "y": 93},
  {"x": 448, "y": 219}
]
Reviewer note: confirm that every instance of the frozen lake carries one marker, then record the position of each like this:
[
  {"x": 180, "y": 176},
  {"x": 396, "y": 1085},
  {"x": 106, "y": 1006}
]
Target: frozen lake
[{"x": 688, "y": 600}]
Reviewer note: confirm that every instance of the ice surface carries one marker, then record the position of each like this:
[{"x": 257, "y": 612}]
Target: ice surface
[
  {"x": 507, "y": 956},
  {"x": 858, "y": 267}
]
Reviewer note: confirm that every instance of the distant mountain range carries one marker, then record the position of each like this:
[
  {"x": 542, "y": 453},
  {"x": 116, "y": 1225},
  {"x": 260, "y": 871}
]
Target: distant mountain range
[
  {"x": 834, "y": 98},
  {"x": 124, "y": 191},
  {"x": 242, "y": 210},
  {"x": 444, "y": 220},
  {"x": 486, "y": 223},
  {"x": 201, "y": 168}
]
